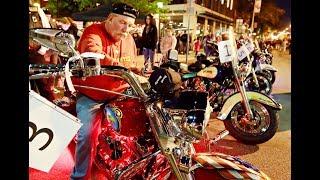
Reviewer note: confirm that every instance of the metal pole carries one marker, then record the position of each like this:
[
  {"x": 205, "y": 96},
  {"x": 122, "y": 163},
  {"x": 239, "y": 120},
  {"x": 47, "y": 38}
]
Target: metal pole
[
  {"x": 188, "y": 31},
  {"x": 158, "y": 47},
  {"x": 252, "y": 20}
]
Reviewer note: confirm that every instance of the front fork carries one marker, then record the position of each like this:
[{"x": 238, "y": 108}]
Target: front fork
[
  {"x": 245, "y": 100},
  {"x": 255, "y": 79}
]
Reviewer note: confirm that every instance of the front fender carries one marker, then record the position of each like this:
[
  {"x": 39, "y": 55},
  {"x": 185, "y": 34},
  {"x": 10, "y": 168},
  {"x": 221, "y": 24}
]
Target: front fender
[
  {"x": 228, "y": 167},
  {"x": 268, "y": 67},
  {"x": 236, "y": 98}
]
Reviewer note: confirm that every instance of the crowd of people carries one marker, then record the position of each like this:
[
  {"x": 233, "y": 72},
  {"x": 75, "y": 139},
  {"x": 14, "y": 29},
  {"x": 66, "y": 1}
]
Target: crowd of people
[{"x": 278, "y": 44}]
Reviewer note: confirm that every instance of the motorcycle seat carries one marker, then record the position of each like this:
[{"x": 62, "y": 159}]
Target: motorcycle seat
[{"x": 188, "y": 75}]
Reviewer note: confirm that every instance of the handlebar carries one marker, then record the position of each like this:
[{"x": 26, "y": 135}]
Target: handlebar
[{"x": 113, "y": 68}]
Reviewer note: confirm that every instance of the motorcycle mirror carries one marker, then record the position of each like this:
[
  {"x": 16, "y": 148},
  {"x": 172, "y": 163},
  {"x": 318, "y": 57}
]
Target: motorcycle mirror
[{"x": 54, "y": 39}]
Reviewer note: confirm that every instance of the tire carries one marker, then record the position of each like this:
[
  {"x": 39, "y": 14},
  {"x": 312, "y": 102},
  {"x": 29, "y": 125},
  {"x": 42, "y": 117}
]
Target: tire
[
  {"x": 270, "y": 75},
  {"x": 265, "y": 128},
  {"x": 265, "y": 86}
]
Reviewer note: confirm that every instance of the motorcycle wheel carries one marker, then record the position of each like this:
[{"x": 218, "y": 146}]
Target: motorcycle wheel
[
  {"x": 270, "y": 75},
  {"x": 258, "y": 130},
  {"x": 265, "y": 86}
]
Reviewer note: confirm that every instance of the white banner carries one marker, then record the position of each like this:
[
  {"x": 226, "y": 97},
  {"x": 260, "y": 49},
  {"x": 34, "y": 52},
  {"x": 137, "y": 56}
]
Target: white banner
[
  {"x": 249, "y": 46},
  {"x": 257, "y": 6},
  {"x": 242, "y": 52},
  {"x": 225, "y": 51},
  {"x": 50, "y": 131}
]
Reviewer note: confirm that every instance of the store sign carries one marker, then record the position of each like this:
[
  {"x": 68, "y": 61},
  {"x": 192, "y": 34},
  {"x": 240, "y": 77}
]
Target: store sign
[
  {"x": 226, "y": 53},
  {"x": 50, "y": 131}
]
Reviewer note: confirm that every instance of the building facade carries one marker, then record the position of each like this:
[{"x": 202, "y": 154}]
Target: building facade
[{"x": 203, "y": 16}]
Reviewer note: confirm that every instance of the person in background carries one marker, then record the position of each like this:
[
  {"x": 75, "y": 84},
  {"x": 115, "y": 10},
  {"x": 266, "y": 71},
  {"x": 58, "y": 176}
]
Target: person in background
[
  {"x": 137, "y": 40},
  {"x": 149, "y": 40},
  {"x": 197, "y": 46},
  {"x": 41, "y": 55},
  {"x": 284, "y": 44},
  {"x": 183, "y": 42},
  {"x": 168, "y": 43},
  {"x": 38, "y": 54}
]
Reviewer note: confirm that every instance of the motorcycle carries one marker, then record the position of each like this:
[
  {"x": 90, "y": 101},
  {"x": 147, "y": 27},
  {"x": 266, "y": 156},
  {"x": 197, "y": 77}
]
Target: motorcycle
[
  {"x": 251, "y": 117},
  {"x": 255, "y": 81},
  {"x": 138, "y": 137},
  {"x": 263, "y": 68}
]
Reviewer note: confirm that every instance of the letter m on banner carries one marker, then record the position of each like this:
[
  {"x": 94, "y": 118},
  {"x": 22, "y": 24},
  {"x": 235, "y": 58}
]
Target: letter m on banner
[{"x": 257, "y": 6}]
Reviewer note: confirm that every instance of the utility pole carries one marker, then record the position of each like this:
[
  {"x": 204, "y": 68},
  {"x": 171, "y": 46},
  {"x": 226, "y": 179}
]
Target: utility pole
[
  {"x": 188, "y": 31},
  {"x": 252, "y": 22}
]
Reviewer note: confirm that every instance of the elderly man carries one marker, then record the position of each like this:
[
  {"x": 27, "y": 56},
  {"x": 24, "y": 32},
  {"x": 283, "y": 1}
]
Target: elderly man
[{"x": 112, "y": 39}]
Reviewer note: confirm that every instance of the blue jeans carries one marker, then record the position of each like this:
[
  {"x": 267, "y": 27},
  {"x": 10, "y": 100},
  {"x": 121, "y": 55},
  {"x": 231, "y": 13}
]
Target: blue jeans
[
  {"x": 86, "y": 111},
  {"x": 148, "y": 53}
]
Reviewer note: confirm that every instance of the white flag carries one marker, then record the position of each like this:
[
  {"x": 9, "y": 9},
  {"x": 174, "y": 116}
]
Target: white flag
[
  {"x": 257, "y": 6},
  {"x": 50, "y": 131}
]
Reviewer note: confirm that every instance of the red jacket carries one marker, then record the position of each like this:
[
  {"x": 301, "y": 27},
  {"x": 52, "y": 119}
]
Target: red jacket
[{"x": 96, "y": 39}]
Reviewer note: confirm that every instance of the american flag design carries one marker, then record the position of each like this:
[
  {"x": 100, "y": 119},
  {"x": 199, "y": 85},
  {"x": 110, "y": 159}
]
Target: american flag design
[{"x": 229, "y": 167}]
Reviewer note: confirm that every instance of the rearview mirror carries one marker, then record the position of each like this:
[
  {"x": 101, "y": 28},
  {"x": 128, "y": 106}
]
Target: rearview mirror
[{"x": 54, "y": 39}]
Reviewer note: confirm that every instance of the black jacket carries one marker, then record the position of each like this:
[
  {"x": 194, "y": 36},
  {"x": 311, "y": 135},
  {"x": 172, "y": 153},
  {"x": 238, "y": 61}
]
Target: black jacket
[{"x": 149, "y": 40}]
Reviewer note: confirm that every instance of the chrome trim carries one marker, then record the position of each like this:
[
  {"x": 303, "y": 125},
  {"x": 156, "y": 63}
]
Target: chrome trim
[
  {"x": 130, "y": 78},
  {"x": 104, "y": 90}
]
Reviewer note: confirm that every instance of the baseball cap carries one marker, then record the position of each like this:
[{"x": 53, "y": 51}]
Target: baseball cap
[{"x": 125, "y": 10}]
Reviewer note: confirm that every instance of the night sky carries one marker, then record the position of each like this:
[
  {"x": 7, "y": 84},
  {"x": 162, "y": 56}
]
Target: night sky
[{"x": 286, "y": 5}]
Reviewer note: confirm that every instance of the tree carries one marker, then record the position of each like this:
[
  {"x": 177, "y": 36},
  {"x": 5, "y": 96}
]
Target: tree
[
  {"x": 269, "y": 16},
  {"x": 67, "y": 7}
]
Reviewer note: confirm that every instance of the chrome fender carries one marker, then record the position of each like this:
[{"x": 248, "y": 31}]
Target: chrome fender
[
  {"x": 268, "y": 67},
  {"x": 236, "y": 98},
  {"x": 229, "y": 167}
]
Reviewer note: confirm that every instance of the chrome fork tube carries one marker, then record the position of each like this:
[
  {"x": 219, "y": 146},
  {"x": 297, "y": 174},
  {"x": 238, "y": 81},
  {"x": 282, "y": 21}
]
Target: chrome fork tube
[
  {"x": 242, "y": 90},
  {"x": 157, "y": 126},
  {"x": 254, "y": 77}
]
